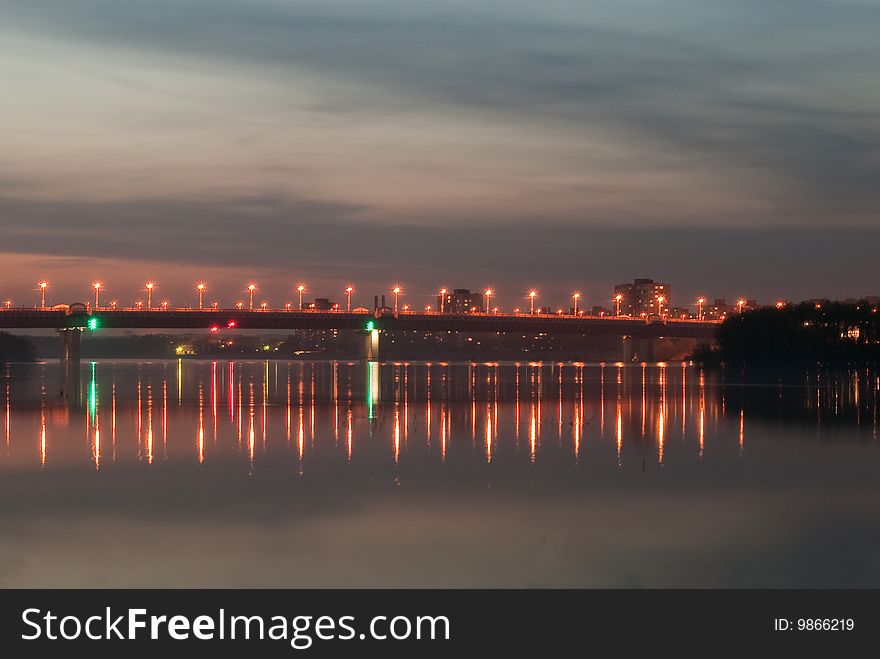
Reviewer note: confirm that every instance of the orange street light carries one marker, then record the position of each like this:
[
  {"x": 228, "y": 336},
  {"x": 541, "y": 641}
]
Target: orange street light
[
  {"x": 617, "y": 300},
  {"x": 700, "y": 302},
  {"x": 200, "y": 287},
  {"x": 576, "y": 297},
  {"x": 348, "y": 292},
  {"x": 300, "y": 289},
  {"x": 740, "y": 304},
  {"x": 251, "y": 288},
  {"x": 443, "y": 293},
  {"x": 532, "y": 296},
  {"x": 97, "y": 286},
  {"x": 150, "y": 286},
  {"x": 396, "y": 290},
  {"x": 487, "y": 294}
]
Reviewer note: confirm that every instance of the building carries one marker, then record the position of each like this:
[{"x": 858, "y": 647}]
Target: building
[
  {"x": 461, "y": 300},
  {"x": 718, "y": 310},
  {"x": 643, "y": 297}
]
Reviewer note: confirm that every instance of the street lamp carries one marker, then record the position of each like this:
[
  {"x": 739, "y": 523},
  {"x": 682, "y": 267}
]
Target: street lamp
[
  {"x": 200, "y": 287},
  {"x": 576, "y": 297},
  {"x": 780, "y": 304},
  {"x": 299, "y": 290},
  {"x": 700, "y": 304},
  {"x": 348, "y": 291},
  {"x": 150, "y": 286},
  {"x": 164, "y": 305},
  {"x": 43, "y": 285},
  {"x": 264, "y": 305},
  {"x": 532, "y": 296},
  {"x": 396, "y": 291},
  {"x": 113, "y": 304},
  {"x": 251, "y": 288},
  {"x": 97, "y": 285},
  {"x": 660, "y": 301},
  {"x": 740, "y": 304},
  {"x": 443, "y": 293},
  {"x": 239, "y": 305},
  {"x": 488, "y": 294},
  {"x": 617, "y": 300}
]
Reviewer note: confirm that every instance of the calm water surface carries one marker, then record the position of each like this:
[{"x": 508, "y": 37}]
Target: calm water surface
[{"x": 250, "y": 473}]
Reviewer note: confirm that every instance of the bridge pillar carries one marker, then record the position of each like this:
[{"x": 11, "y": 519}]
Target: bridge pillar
[
  {"x": 370, "y": 346},
  {"x": 627, "y": 349},
  {"x": 637, "y": 350},
  {"x": 70, "y": 344},
  {"x": 69, "y": 362},
  {"x": 645, "y": 350}
]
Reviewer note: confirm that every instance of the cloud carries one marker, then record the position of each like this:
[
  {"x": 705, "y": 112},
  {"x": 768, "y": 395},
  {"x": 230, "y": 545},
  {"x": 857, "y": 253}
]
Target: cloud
[{"x": 349, "y": 130}]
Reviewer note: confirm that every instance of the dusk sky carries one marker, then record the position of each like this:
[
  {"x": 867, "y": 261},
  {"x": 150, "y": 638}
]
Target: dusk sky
[{"x": 729, "y": 148}]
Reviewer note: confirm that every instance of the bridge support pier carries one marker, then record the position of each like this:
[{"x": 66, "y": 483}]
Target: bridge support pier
[
  {"x": 637, "y": 350},
  {"x": 627, "y": 349},
  {"x": 371, "y": 346},
  {"x": 69, "y": 361},
  {"x": 645, "y": 350}
]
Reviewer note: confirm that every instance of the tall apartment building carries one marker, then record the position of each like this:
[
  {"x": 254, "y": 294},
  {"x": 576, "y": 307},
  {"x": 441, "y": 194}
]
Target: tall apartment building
[{"x": 643, "y": 296}]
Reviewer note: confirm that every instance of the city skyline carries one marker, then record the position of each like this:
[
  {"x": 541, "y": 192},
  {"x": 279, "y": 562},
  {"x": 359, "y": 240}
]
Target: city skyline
[
  {"x": 552, "y": 146},
  {"x": 299, "y": 296}
]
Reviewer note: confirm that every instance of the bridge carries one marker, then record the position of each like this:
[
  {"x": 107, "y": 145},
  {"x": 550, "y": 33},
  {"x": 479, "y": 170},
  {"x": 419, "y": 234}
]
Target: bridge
[{"x": 637, "y": 334}]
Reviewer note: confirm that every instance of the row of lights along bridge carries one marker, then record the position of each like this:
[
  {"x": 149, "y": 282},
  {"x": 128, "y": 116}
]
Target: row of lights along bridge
[{"x": 443, "y": 297}]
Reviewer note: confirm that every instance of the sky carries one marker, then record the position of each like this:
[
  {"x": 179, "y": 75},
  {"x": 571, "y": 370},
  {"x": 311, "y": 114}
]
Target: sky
[{"x": 729, "y": 149}]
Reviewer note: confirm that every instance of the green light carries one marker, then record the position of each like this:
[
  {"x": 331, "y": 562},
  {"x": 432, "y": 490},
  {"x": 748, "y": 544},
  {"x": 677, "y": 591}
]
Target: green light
[
  {"x": 93, "y": 324},
  {"x": 370, "y": 326},
  {"x": 93, "y": 395}
]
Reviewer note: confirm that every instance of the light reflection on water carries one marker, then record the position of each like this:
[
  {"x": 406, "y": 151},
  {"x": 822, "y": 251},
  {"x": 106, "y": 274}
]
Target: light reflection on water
[{"x": 513, "y": 446}]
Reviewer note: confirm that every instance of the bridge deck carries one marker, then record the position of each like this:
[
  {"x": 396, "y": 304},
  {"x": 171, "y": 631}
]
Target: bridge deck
[{"x": 327, "y": 320}]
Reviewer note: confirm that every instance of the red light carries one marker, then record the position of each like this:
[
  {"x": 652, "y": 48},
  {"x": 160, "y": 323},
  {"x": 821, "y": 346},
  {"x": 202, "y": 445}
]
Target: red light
[
  {"x": 215, "y": 329},
  {"x": 231, "y": 323}
]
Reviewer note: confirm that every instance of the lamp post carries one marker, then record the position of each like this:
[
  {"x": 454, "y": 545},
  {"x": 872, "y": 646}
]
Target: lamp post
[
  {"x": 251, "y": 288},
  {"x": 348, "y": 292},
  {"x": 97, "y": 285},
  {"x": 741, "y": 304},
  {"x": 660, "y": 301},
  {"x": 443, "y": 293},
  {"x": 617, "y": 300},
  {"x": 700, "y": 304},
  {"x": 43, "y": 285},
  {"x": 164, "y": 305},
  {"x": 576, "y": 296},
  {"x": 150, "y": 286},
  {"x": 532, "y": 296},
  {"x": 299, "y": 290},
  {"x": 488, "y": 295},
  {"x": 396, "y": 292},
  {"x": 200, "y": 287}
]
